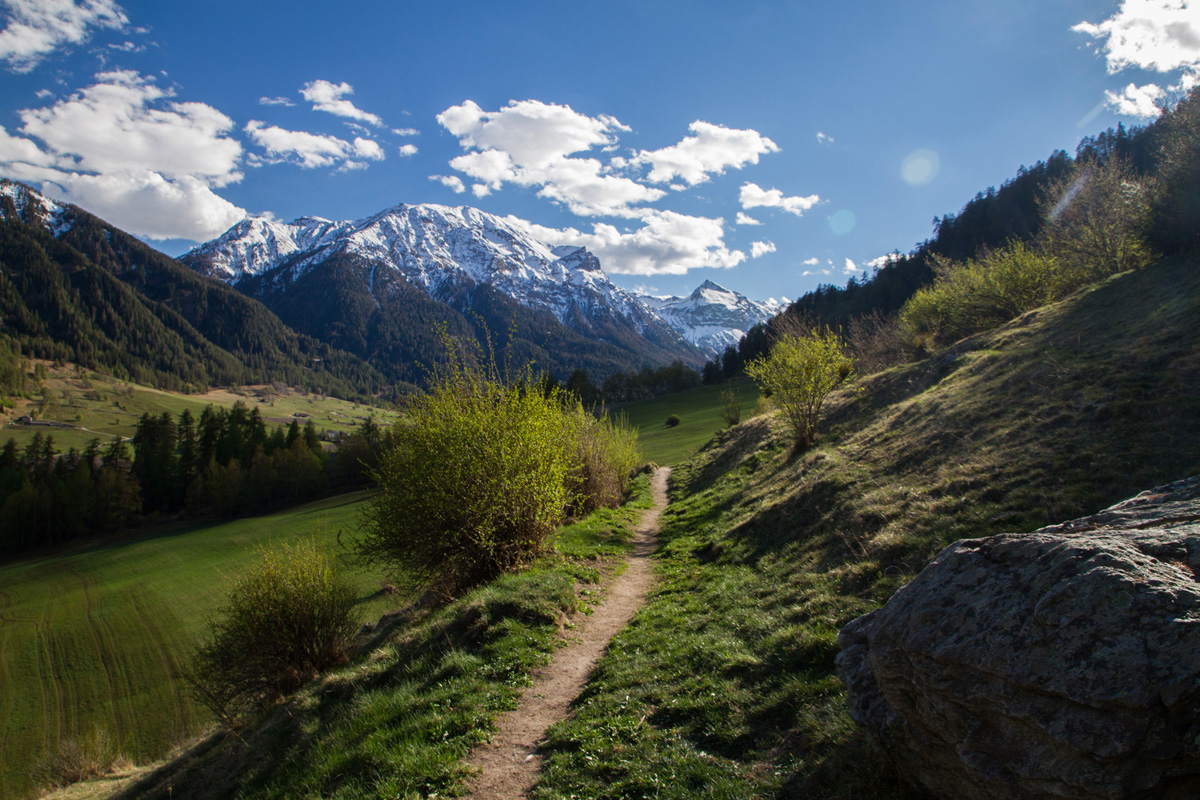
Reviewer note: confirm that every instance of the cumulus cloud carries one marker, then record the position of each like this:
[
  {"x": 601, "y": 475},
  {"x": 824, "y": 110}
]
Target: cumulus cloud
[
  {"x": 711, "y": 150},
  {"x": 531, "y": 143},
  {"x": 275, "y": 101},
  {"x": 126, "y": 150},
  {"x": 408, "y": 150},
  {"x": 882, "y": 261},
  {"x": 328, "y": 97},
  {"x": 311, "y": 150},
  {"x": 451, "y": 182},
  {"x": 754, "y": 196},
  {"x": 405, "y": 131},
  {"x": 667, "y": 243},
  {"x": 811, "y": 262},
  {"x": 758, "y": 249},
  {"x": 745, "y": 219},
  {"x": 37, "y": 28},
  {"x": 849, "y": 267},
  {"x": 1137, "y": 101},
  {"x": 1156, "y": 35}
]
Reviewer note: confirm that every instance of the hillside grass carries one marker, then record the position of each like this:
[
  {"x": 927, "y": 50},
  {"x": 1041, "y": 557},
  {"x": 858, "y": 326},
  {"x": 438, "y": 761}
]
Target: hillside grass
[
  {"x": 95, "y": 639},
  {"x": 94, "y": 406},
  {"x": 699, "y": 411},
  {"x": 724, "y": 686},
  {"x": 425, "y": 688}
]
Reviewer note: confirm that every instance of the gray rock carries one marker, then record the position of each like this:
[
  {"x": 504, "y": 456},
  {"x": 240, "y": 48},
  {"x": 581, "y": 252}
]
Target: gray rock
[{"x": 1061, "y": 663}]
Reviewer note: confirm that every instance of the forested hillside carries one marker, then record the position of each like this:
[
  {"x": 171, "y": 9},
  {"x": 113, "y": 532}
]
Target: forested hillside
[{"x": 100, "y": 298}]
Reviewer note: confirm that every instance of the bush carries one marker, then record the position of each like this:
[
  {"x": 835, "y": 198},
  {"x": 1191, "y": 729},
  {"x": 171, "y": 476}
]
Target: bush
[
  {"x": 800, "y": 373},
  {"x": 731, "y": 405},
  {"x": 606, "y": 453},
  {"x": 475, "y": 484},
  {"x": 673, "y": 420},
  {"x": 980, "y": 294},
  {"x": 290, "y": 617}
]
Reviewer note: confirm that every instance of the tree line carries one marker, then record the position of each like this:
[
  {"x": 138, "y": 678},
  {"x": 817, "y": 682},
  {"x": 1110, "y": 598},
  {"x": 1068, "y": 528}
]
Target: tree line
[{"x": 221, "y": 463}]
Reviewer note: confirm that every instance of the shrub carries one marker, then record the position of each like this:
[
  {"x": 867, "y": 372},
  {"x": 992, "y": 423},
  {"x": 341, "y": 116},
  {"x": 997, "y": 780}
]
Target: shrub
[
  {"x": 606, "y": 454},
  {"x": 287, "y": 619},
  {"x": 75, "y": 760},
  {"x": 978, "y": 295},
  {"x": 800, "y": 373},
  {"x": 673, "y": 420},
  {"x": 731, "y": 405},
  {"x": 475, "y": 484}
]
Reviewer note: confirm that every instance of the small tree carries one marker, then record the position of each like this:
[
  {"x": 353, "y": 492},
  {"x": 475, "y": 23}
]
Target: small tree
[
  {"x": 731, "y": 405},
  {"x": 290, "y": 617},
  {"x": 800, "y": 372}
]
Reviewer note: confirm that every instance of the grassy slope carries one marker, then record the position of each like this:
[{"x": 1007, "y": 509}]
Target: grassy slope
[
  {"x": 724, "y": 686},
  {"x": 397, "y": 721},
  {"x": 95, "y": 638},
  {"x": 700, "y": 412},
  {"x": 103, "y": 407}
]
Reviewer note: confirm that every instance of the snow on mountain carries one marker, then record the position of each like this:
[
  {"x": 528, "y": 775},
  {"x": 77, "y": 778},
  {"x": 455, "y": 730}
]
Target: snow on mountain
[
  {"x": 435, "y": 247},
  {"x": 28, "y": 202},
  {"x": 712, "y": 317}
]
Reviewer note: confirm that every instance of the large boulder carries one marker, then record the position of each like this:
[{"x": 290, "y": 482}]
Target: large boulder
[{"x": 1061, "y": 663}]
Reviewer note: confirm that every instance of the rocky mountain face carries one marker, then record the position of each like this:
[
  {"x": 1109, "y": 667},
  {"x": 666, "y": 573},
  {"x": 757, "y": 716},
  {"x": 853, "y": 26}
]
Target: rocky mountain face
[
  {"x": 1058, "y": 663},
  {"x": 712, "y": 317},
  {"x": 444, "y": 252},
  {"x": 449, "y": 252}
]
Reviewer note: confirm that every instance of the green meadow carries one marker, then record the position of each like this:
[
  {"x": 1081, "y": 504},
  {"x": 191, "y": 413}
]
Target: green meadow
[
  {"x": 96, "y": 639},
  {"x": 699, "y": 411}
]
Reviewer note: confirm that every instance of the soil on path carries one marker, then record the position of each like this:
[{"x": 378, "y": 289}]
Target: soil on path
[{"x": 509, "y": 764}]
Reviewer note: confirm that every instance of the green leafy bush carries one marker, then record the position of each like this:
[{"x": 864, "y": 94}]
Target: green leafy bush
[
  {"x": 800, "y": 372},
  {"x": 290, "y": 617},
  {"x": 606, "y": 455},
  {"x": 673, "y": 421}
]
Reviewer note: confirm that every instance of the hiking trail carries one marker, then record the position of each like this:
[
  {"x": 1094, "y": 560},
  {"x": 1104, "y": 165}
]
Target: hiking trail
[{"x": 509, "y": 764}]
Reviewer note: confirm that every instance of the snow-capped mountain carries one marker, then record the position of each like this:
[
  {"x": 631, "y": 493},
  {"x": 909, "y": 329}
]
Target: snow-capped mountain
[
  {"x": 712, "y": 317},
  {"x": 437, "y": 248}
]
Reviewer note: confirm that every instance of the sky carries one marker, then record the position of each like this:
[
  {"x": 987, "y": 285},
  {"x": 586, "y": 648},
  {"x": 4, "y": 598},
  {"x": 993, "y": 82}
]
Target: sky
[{"x": 770, "y": 147}]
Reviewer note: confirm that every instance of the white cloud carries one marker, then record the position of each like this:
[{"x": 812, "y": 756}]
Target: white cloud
[
  {"x": 1136, "y": 101},
  {"x": 811, "y": 262},
  {"x": 754, "y": 196},
  {"x": 326, "y": 96},
  {"x": 275, "y": 101},
  {"x": 882, "y": 261},
  {"x": 668, "y": 243},
  {"x": 405, "y": 131},
  {"x": 407, "y": 150},
  {"x": 120, "y": 124},
  {"x": 37, "y": 28},
  {"x": 745, "y": 219},
  {"x": 822, "y": 138},
  {"x": 850, "y": 267},
  {"x": 1156, "y": 35},
  {"x": 529, "y": 143},
  {"x": 152, "y": 206},
  {"x": 124, "y": 150},
  {"x": 311, "y": 150},
  {"x": 480, "y": 189},
  {"x": 758, "y": 249},
  {"x": 451, "y": 182},
  {"x": 711, "y": 150}
]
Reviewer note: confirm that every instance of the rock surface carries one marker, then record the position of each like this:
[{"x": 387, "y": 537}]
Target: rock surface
[{"x": 1061, "y": 663}]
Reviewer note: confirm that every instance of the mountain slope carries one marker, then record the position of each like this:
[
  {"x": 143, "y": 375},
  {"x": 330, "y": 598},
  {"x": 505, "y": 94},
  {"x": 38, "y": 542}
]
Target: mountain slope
[
  {"x": 375, "y": 269},
  {"x": 75, "y": 288}
]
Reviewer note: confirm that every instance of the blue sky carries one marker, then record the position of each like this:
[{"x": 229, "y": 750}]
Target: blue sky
[{"x": 769, "y": 147}]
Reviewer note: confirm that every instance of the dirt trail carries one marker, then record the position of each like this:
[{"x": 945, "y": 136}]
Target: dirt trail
[{"x": 510, "y": 763}]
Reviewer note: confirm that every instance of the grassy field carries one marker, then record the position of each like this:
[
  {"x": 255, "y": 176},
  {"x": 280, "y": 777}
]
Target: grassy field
[
  {"x": 98, "y": 406},
  {"x": 397, "y": 721},
  {"x": 95, "y": 639},
  {"x": 699, "y": 411}
]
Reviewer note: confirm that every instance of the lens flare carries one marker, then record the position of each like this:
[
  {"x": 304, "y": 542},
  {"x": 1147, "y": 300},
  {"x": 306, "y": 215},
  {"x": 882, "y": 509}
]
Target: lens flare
[
  {"x": 920, "y": 167},
  {"x": 842, "y": 222}
]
